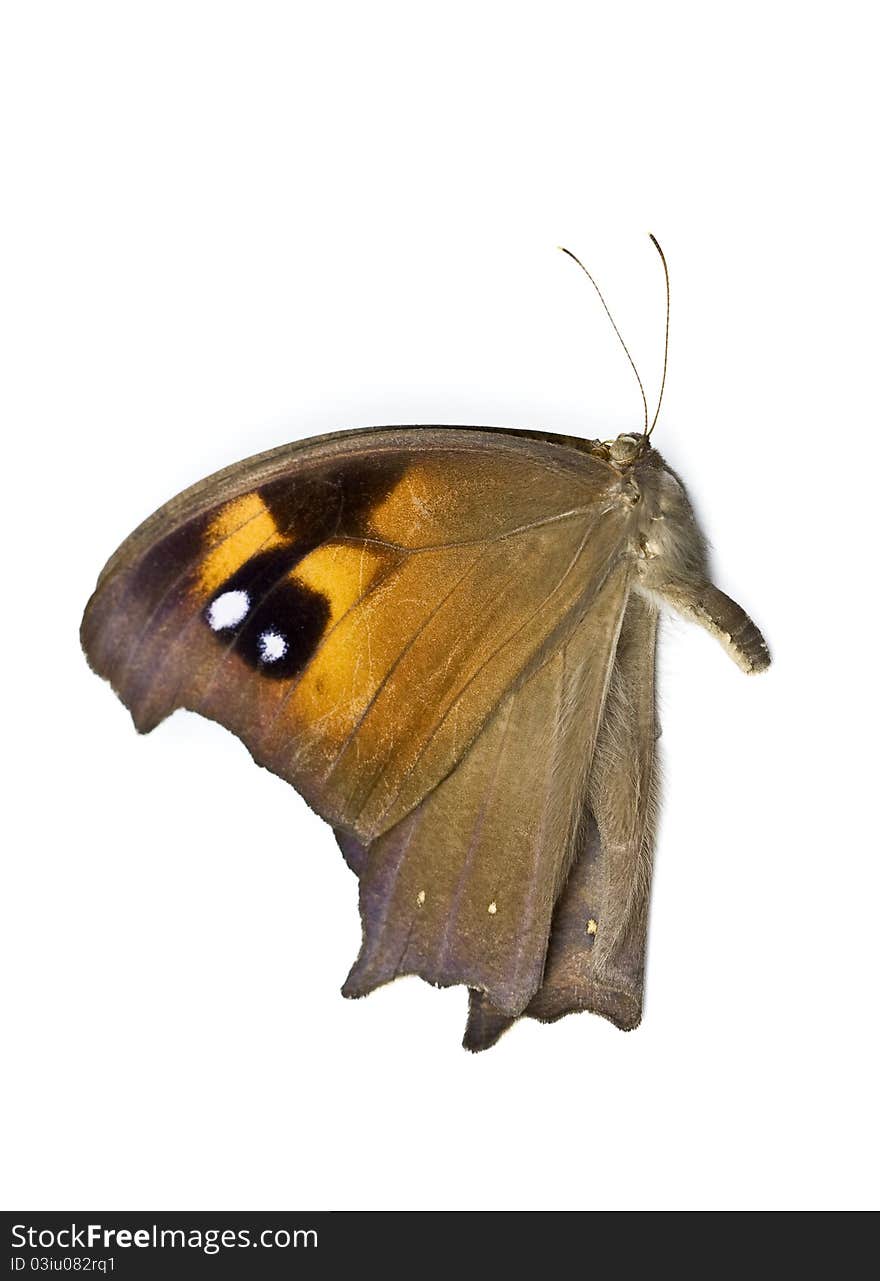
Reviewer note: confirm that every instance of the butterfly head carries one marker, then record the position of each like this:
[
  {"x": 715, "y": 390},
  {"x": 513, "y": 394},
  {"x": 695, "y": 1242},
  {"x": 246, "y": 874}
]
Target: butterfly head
[{"x": 625, "y": 450}]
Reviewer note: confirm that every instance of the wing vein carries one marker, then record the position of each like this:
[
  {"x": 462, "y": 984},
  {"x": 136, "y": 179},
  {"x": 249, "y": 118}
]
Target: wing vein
[
  {"x": 398, "y": 658},
  {"x": 530, "y": 904},
  {"x": 526, "y": 623},
  {"x": 473, "y": 841}
]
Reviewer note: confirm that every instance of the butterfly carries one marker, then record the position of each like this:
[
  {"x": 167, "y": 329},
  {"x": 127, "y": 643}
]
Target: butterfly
[{"x": 444, "y": 638}]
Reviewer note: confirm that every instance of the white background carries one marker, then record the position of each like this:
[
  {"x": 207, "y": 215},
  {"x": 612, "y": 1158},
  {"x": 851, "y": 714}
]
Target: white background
[{"x": 228, "y": 226}]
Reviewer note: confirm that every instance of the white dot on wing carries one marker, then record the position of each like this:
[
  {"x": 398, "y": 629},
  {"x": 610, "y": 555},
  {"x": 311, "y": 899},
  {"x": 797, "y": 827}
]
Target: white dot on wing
[
  {"x": 228, "y": 609},
  {"x": 272, "y": 646}
]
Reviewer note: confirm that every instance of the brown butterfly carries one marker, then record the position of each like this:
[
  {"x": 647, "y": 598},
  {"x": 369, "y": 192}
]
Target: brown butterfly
[{"x": 444, "y": 638}]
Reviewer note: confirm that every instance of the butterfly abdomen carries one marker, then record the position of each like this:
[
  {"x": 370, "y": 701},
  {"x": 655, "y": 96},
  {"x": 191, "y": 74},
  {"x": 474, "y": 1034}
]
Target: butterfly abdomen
[{"x": 672, "y": 568}]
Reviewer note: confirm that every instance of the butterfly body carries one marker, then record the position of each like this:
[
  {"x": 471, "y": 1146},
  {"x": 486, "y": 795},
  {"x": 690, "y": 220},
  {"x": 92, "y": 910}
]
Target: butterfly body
[{"x": 444, "y": 639}]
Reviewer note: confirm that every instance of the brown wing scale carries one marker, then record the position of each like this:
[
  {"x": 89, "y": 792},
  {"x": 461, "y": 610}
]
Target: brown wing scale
[
  {"x": 462, "y": 890},
  {"x": 596, "y": 956}
]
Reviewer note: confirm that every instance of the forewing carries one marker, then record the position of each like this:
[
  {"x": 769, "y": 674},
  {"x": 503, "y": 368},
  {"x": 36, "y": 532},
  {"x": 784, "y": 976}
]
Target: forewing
[
  {"x": 356, "y": 607},
  {"x": 462, "y": 890},
  {"x": 596, "y": 953}
]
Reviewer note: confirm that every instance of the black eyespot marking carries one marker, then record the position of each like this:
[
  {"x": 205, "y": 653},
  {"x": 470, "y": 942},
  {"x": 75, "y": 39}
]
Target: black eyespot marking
[
  {"x": 273, "y": 622},
  {"x": 284, "y": 631},
  {"x": 331, "y": 504}
]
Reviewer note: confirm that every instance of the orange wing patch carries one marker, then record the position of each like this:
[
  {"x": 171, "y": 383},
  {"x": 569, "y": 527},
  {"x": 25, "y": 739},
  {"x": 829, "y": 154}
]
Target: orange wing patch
[
  {"x": 410, "y": 514},
  {"x": 239, "y": 531},
  {"x": 341, "y": 573}
]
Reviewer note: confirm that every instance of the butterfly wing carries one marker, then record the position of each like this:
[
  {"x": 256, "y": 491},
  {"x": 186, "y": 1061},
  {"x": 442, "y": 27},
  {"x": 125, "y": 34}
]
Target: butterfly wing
[
  {"x": 356, "y": 607},
  {"x": 596, "y": 954},
  {"x": 462, "y": 890}
]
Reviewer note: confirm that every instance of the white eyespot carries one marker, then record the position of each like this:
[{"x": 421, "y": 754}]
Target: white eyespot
[
  {"x": 228, "y": 609},
  {"x": 272, "y": 646},
  {"x": 492, "y": 908}
]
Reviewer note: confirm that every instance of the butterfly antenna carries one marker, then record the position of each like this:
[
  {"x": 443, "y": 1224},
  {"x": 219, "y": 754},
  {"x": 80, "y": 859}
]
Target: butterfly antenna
[
  {"x": 666, "y": 340},
  {"x": 616, "y": 330}
]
